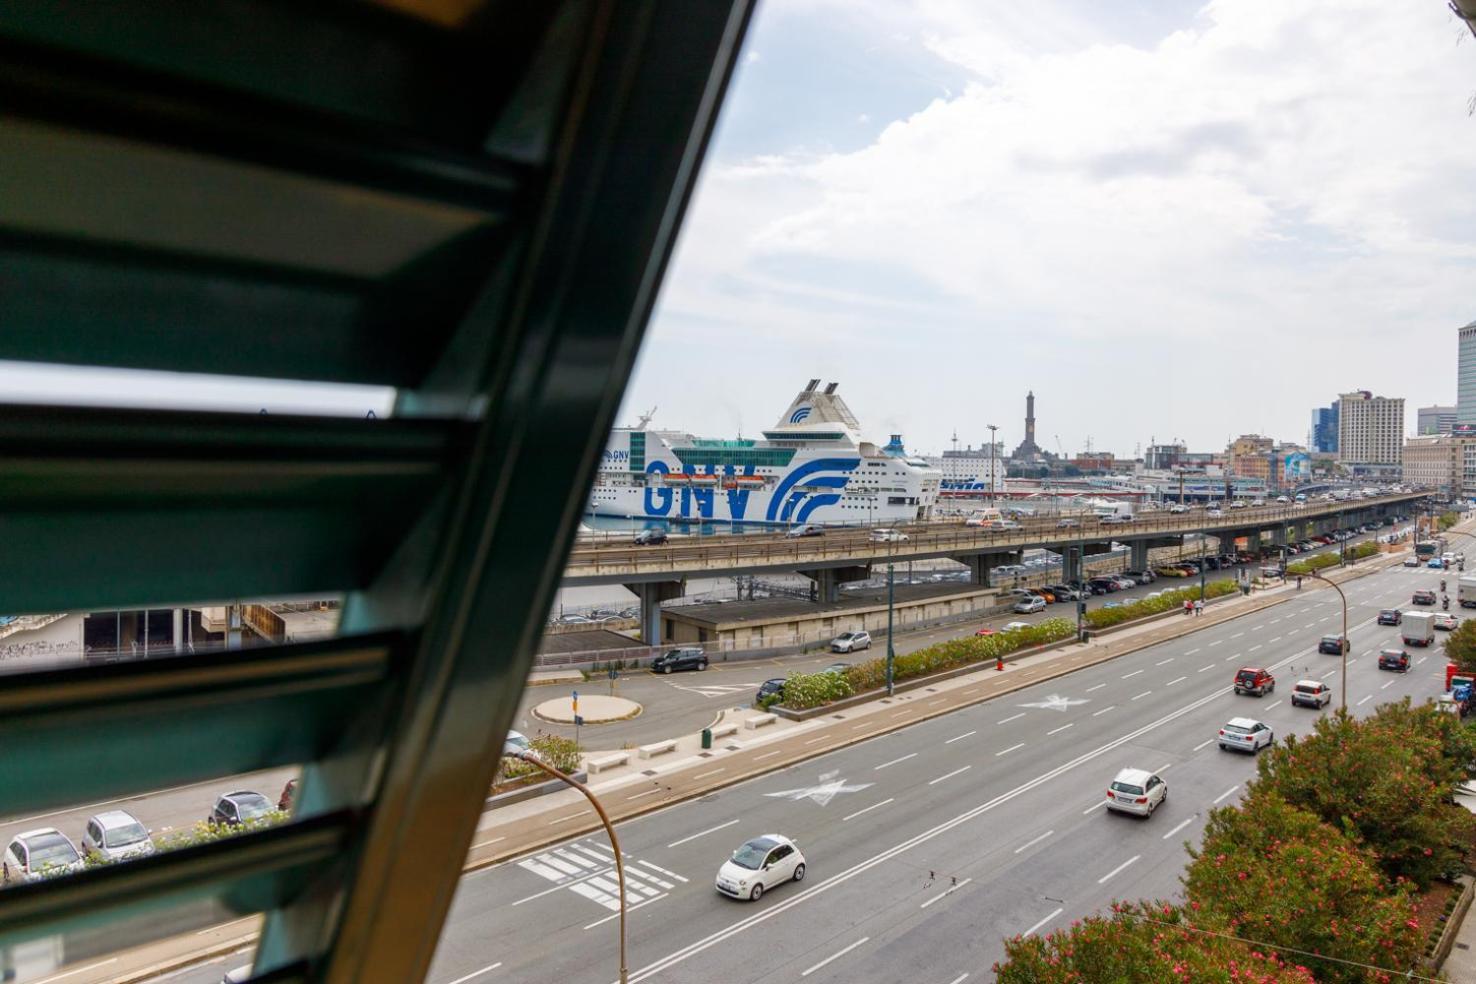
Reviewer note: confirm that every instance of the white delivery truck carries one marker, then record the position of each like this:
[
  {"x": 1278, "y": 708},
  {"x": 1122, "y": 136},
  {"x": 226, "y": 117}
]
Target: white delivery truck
[
  {"x": 1466, "y": 591},
  {"x": 1418, "y": 628}
]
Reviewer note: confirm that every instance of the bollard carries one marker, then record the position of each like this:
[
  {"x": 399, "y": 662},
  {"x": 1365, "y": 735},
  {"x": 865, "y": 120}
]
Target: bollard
[
  {"x": 999, "y": 662},
  {"x": 706, "y": 737}
]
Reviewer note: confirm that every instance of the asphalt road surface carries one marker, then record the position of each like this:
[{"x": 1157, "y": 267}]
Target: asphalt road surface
[
  {"x": 685, "y": 703},
  {"x": 927, "y": 847}
]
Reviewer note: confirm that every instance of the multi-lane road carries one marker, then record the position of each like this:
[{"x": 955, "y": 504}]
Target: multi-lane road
[
  {"x": 684, "y": 703},
  {"x": 928, "y": 846}
]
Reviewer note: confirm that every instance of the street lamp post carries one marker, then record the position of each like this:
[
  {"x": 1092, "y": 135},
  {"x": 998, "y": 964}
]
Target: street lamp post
[
  {"x": 533, "y": 760},
  {"x": 993, "y": 449},
  {"x": 891, "y": 653},
  {"x": 1346, "y": 643}
]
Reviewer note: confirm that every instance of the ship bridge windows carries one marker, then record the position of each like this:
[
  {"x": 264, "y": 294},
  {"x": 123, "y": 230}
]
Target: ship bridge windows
[{"x": 732, "y": 454}]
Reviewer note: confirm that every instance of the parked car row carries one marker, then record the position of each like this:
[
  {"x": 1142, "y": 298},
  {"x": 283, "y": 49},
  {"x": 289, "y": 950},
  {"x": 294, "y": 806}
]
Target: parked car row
[{"x": 117, "y": 835}]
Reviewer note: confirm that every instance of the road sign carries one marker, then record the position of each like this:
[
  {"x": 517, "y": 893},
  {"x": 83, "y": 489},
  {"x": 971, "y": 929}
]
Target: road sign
[{"x": 578, "y": 721}]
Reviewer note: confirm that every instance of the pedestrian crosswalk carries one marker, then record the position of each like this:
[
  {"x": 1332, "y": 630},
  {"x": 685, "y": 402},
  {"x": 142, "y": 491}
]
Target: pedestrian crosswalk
[
  {"x": 587, "y": 868},
  {"x": 718, "y": 689}
]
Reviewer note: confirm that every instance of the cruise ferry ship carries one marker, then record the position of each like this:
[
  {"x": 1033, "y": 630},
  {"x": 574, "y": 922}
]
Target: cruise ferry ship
[{"x": 810, "y": 467}]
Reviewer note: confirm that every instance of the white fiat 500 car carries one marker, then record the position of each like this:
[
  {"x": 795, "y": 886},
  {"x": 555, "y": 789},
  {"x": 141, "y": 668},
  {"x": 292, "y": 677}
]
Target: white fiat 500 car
[{"x": 759, "y": 865}]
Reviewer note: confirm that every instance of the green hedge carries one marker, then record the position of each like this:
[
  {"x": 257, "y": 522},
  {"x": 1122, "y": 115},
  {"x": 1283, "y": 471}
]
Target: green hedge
[
  {"x": 1101, "y": 618},
  {"x": 1321, "y": 561},
  {"x": 806, "y": 690}
]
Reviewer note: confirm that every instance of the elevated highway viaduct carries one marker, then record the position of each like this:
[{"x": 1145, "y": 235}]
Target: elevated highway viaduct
[{"x": 657, "y": 573}]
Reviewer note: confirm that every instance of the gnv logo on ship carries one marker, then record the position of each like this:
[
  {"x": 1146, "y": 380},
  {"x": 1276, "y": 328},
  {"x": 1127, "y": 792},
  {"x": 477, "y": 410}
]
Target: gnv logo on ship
[
  {"x": 617, "y": 455},
  {"x": 800, "y": 413}
]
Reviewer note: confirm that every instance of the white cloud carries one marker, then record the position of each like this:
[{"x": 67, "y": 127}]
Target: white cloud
[{"x": 1277, "y": 197}]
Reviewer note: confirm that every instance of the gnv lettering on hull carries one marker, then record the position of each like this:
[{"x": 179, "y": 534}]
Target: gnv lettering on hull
[{"x": 659, "y": 501}]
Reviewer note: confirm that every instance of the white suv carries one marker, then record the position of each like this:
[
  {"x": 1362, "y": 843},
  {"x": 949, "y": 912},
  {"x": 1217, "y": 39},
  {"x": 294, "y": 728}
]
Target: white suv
[
  {"x": 1311, "y": 693},
  {"x": 849, "y": 642},
  {"x": 1137, "y": 791},
  {"x": 1245, "y": 735}
]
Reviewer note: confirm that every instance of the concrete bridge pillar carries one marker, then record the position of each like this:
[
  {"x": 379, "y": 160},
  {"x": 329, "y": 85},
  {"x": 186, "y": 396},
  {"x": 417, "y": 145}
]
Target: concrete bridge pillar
[
  {"x": 1138, "y": 555},
  {"x": 981, "y": 566},
  {"x": 829, "y": 579},
  {"x": 1071, "y": 564},
  {"x": 651, "y": 595}
]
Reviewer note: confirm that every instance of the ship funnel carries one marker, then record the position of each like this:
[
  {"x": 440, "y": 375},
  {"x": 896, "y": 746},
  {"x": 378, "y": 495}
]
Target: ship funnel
[
  {"x": 811, "y": 388},
  {"x": 831, "y": 388}
]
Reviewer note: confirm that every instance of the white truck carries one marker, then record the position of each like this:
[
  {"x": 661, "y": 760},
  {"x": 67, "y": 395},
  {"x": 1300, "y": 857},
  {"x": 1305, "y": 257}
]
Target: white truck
[
  {"x": 1418, "y": 628},
  {"x": 1466, "y": 591}
]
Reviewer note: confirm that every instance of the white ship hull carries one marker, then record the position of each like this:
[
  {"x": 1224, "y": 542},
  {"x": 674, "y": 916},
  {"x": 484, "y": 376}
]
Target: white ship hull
[{"x": 735, "y": 506}]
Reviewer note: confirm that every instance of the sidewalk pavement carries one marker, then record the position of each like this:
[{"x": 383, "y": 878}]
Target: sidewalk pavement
[{"x": 1461, "y": 964}]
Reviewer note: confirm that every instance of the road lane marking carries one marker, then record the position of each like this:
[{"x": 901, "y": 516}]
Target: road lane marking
[
  {"x": 1364, "y": 700},
  {"x": 1216, "y": 643},
  {"x": 1013, "y": 718},
  {"x": 1231, "y": 659},
  {"x": 1204, "y": 743},
  {"x": 469, "y": 977},
  {"x": 814, "y": 741},
  {"x": 1254, "y": 648},
  {"x": 945, "y": 893},
  {"x": 1174, "y": 681},
  {"x": 1132, "y": 674},
  {"x": 90, "y": 967},
  {"x": 1421, "y": 660},
  {"x": 657, "y": 867},
  {"x": 572, "y": 816},
  {"x": 1094, "y": 806},
  {"x": 1056, "y": 731},
  {"x": 1269, "y": 641},
  {"x": 1327, "y": 674},
  {"x": 966, "y": 734},
  {"x": 1270, "y": 707},
  {"x": 874, "y": 806},
  {"x": 882, "y": 856},
  {"x": 1143, "y": 694},
  {"x": 1192, "y": 651},
  {"x": 1211, "y": 666},
  {"x": 1164, "y": 661},
  {"x": 1226, "y": 793},
  {"x": 628, "y": 908},
  {"x": 487, "y": 843},
  {"x": 1104, "y": 710},
  {"x": 949, "y": 775},
  {"x": 1006, "y": 751},
  {"x": 704, "y": 775},
  {"x": 1097, "y": 687},
  {"x": 1387, "y": 685},
  {"x": 702, "y": 833},
  {"x": 904, "y": 758},
  {"x": 1039, "y": 924},
  {"x": 1035, "y": 840},
  {"x": 1103, "y": 879},
  {"x": 1256, "y": 628},
  {"x": 960, "y": 978},
  {"x": 835, "y": 956},
  {"x": 1237, "y": 635}
]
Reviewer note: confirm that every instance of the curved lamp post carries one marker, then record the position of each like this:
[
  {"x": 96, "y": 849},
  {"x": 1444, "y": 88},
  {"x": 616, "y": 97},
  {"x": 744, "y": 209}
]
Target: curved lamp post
[
  {"x": 1347, "y": 643},
  {"x": 609, "y": 829}
]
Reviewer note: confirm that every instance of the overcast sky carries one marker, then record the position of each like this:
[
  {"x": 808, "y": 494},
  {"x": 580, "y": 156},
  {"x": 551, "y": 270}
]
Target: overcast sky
[{"x": 1169, "y": 220}]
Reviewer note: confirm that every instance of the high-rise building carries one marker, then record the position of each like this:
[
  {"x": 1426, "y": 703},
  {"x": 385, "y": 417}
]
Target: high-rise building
[
  {"x": 1324, "y": 436},
  {"x": 1435, "y": 420},
  {"x": 1370, "y": 433},
  {"x": 1466, "y": 376}
]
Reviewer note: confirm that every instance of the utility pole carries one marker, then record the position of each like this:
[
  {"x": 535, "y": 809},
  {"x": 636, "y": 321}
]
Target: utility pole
[
  {"x": 993, "y": 450},
  {"x": 891, "y": 652}
]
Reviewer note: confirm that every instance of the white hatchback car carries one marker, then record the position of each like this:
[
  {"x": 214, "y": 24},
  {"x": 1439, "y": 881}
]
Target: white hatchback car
[
  {"x": 1311, "y": 693},
  {"x": 116, "y": 835},
  {"x": 40, "y": 853},
  {"x": 1245, "y": 735},
  {"x": 849, "y": 642},
  {"x": 1137, "y": 791},
  {"x": 760, "y": 864}
]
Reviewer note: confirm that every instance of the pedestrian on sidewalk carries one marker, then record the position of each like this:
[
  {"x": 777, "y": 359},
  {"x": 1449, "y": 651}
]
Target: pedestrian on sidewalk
[
  {"x": 1199, "y": 606},
  {"x": 1188, "y": 607}
]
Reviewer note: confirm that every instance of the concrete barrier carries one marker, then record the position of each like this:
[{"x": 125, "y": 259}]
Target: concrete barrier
[
  {"x": 724, "y": 730},
  {"x": 759, "y": 720},
  {"x": 602, "y": 762},
  {"x": 657, "y": 748}
]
